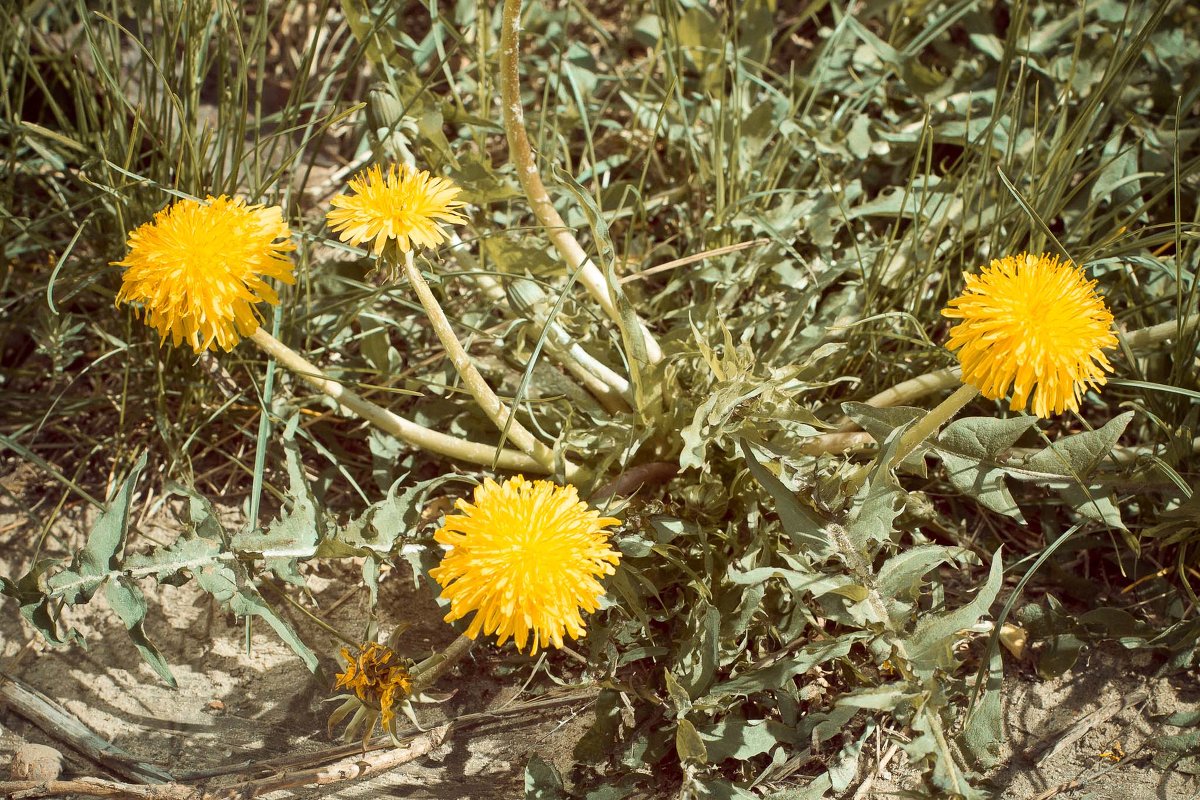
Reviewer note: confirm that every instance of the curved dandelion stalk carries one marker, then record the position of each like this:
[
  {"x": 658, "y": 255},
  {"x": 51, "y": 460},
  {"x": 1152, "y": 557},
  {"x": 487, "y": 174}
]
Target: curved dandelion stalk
[
  {"x": 389, "y": 422},
  {"x": 609, "y": 388},
  {"x": 522, "y": 157},
  {"x": 397, "y": 213},
  {"x": 496, "y": 410},
  {"x": 196, "y": 274}
]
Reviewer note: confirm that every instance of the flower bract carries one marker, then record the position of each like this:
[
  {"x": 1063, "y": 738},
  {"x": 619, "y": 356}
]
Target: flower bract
[
  {"x": 405, "y": 206},
  {"x": 379, "y": 678},
  {"x": 525, "y": 557},
  {"x": 198, "y": 269},
  {"x": 1035, "y": 324}
]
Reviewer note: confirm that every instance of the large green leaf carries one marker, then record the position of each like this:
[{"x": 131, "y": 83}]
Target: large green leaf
[
  {"x": 98, "y": 558},
  {"x": 740, "y": 739},
  {"x": 296, "y": 534},
  {"x": 98, "y": 565},
  {"x": 969, "y": 448},
  {"x": 802, "y": 526},
  {"x": 1073, "y": 457},
  {"x": 231, "y": 586},
  {"x": 931, "y": 644},
  {"x": 775, "y": 675},
  {"x": 124, "y": 596}
]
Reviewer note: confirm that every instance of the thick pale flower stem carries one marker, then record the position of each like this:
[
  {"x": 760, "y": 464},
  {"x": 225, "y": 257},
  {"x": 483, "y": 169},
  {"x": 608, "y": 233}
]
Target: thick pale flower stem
[
  {"x": 1145, "y": 338},
  {"x": 849, "y": 437},
  {"x": 521, "y": 154},
  {"x": 597, "y": 378},
  {"x": 495, "y": 409},
  {"x": 929, "y": 424},
  {"x": 609, "y": 388},
  {"x": 428, "y": 671},
  {"x": 403, "y": 429},
  {"x": 925, "y": 427}
]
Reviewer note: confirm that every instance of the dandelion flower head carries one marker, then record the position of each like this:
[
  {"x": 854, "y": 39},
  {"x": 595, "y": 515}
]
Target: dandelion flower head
[
  {"x": 405, "y": 205},
  {"x": 198, "y": 269},
  {"x": 526, "y": 558},
  {"x": 1035, "y": 324},
  {"x": 378, "y": 677}
]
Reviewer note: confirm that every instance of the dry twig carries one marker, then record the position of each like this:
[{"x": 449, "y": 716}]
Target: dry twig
[
  {"x": 348, "y": 769},
  {"x": 63, "y": 726}
]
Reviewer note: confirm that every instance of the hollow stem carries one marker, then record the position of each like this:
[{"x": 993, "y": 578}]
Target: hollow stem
[
  {"x": 428, "y": 671},
  {"x": 609, "y": 388},
  {"x": 930, "y": 423},
  {"x": 922, "y": 385},
  {"x": 496, "y": 410},
  {"x": 388, "y": 422},
  {"x": 521, "y": 154}
]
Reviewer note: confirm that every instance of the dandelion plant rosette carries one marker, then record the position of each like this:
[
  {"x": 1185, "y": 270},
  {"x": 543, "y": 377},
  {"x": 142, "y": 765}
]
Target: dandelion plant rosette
[
  {"x": 197, "y": 271},
  {"x": 525, "y": 557},
  {"x": 1036, "y": 324}
]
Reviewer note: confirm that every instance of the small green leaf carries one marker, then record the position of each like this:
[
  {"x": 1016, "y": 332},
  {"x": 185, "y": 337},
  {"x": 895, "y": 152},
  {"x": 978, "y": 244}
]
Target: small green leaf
[
  {"x": 804, "y": 528},
  {"x": 741, "y": 740},
  {"x": 816, "y": 789},
  {"x": 542, "y": 781},
  {"x": 700, "y": 653},
  {"x": 901, "y": 574},
  {"x": 881, "y": 422},
  {"x": 721, "y": 789},
  {"x": 844, "y": 768},
  {"x": 688, "y": 743},
  {"x": 930, "y": 645},
  {"x": 1096, "y": 502},
  {"x": 871, "y": 520},
  {"x": 679, "y": 695},
  {"x": 983, "y": 732},
  {"x": 883, "y": 698}
]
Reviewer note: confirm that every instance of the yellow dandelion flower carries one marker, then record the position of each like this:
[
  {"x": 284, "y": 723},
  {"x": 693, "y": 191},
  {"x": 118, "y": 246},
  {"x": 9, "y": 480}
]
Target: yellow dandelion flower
[
  {"x": 406, "y": 206},
  {"x": 198, "y": 269},
  {"x": 1036, "y": 324},
  {"x": 378, "y": 677},
  {"x": 525, "y": 557}
]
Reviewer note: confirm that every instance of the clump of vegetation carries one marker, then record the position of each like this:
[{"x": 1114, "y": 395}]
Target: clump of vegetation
[{"x": 756, "y": 298}]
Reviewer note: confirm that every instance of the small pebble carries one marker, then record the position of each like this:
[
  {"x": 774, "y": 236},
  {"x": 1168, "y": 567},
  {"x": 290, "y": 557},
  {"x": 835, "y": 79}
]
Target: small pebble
[{"x": 36, "y": 762}]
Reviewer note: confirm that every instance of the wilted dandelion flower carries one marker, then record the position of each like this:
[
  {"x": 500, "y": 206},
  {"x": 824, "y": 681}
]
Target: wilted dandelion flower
[
  {"x": 197, "y": 270},
  {"x": 379, "y": 678},
  {"x": 1034, "y": 323},
  {"x": 405, "y": 205},
  {"x": 525, "y": 557}
]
